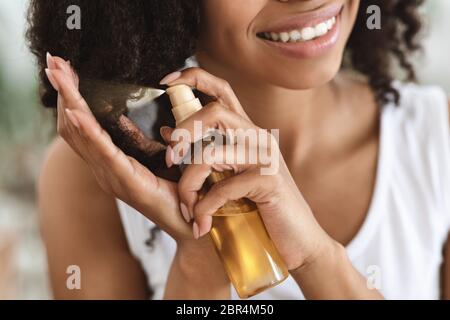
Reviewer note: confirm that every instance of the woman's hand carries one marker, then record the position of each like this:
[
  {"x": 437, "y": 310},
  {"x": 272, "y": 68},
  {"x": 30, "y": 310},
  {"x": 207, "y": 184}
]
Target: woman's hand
[
  {"x": 118, "y": 174},
  {"x": 126, "y": 179},
  {"x": 318, "y": 263},
  {"x": 287, "y": 216}
]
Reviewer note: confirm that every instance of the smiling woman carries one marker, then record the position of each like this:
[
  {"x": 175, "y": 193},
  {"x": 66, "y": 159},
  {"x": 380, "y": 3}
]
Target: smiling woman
[{"x": 339, "y": 204}]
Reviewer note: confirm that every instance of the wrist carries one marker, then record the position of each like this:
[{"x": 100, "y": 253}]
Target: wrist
[
  {"x": 190, "y": 256},
  {"x": 331, "y": 275},
  {"x": 330, "y": 256},
  {"x": 195, "y": 274},
  {"x": 198, "y": 259}
]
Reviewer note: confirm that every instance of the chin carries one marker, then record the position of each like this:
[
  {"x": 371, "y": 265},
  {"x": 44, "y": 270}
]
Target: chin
[{"x": 308, "y": 75}]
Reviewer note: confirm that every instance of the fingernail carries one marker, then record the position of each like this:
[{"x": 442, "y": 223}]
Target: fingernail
[
  {"x": 50, "y": 61},
  {"x": 184, "y": 212},
  {"x": 72, "y": 118},
  {"x": 169, "y": 157},
  {"x": 52, "y": 79},
  {"x": 196, "y": 231},
  {"x": 206, "y": 223},
  {"x": 170, "y": 78}
]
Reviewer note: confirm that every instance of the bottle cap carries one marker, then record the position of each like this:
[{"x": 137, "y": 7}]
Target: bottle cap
[{"x": 183, "y": 101}]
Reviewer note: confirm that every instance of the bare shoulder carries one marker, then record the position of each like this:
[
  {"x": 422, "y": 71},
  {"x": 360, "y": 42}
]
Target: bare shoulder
[
  {"x": 64, "y": 175},
  {"x": 81, "y": 226},
  {"x": 67, "y": 185}
]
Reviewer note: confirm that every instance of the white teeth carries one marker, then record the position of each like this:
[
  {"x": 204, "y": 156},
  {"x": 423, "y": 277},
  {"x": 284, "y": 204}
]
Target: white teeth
[
  {"x": 284, "y": 36},
  {"x": 295, "y": 35},
  {"x": 329, "y": 24},
  {"x": 304, "y": 34},
  {"x": 274, "y": 36},
  {"x": 308, "y": 33},
  {"x": 321, "y": 29}
]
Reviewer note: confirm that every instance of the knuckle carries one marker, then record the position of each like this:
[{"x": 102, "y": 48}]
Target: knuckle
[
  {"x": 182, "y": 188},
  {"x": 95, "y": 133},
  {"x": 193, "y": 71},
  {"x": 217, "y": 110},
  {"x": 111, "y": 156},
  {"x": 220, "y": 189},
  {"x": 276, "y": 181},
  {"x": 225, "y": 85}
]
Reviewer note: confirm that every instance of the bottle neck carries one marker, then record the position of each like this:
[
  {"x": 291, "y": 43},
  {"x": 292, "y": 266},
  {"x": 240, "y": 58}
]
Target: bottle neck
[{"x": 186, "y": 110}]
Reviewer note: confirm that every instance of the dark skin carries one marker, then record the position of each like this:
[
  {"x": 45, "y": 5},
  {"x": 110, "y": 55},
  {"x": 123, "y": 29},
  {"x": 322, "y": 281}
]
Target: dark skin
[
  {"x": 330, "y": 151},
  {"x": 89, "y": 224}
]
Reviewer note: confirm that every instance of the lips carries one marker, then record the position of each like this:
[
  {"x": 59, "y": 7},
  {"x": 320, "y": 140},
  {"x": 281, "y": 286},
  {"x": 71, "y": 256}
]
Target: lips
[
  {"x": 304, "y": 19},
  {"x": 305, "y": 35}
]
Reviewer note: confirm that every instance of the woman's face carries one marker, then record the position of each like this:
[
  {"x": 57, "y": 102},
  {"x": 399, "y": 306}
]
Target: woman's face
[{"x": 295, "y": 44}]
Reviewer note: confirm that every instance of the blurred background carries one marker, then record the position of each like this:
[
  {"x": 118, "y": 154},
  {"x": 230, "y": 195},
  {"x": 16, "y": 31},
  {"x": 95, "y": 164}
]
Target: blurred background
[{"x": 26, "y": 129}]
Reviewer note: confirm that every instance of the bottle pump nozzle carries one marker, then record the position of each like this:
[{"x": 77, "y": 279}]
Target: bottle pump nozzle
[{"x": 183, "y": 101}]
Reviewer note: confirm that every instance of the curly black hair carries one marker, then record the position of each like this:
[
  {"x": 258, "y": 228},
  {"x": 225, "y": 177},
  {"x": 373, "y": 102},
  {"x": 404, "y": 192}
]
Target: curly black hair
[{"x": 140, "y": 41}]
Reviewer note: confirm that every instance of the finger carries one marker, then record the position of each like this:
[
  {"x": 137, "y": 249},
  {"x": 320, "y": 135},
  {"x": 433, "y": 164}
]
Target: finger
[
  {"x": 211, "y": 86},
  {"x": 64, "y": 127},
  {"x": 224, "y": 161},
  {"x": 67, "y": 128},
  {"x": 50, "y": 61},
  {"x": 64, "y": 66},
  {"x": 212, "y": 116},
  {"x": 188, "y": 189},
  {"x": 250, "y": 184},
  {"x": 66, "y": 88}
]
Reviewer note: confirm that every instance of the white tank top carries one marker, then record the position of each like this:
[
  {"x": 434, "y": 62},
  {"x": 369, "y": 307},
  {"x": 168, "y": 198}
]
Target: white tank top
[{"x": 399, "y": 247}]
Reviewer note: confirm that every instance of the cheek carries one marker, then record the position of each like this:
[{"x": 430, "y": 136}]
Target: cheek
[
  {"x": 223, "y": 30},
  {"x": 227, "y": 40},
  {"x": 225, "y": 35}
]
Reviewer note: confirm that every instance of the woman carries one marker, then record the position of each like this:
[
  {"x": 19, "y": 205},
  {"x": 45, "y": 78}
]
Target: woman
[{"x": 363, "y": 181}]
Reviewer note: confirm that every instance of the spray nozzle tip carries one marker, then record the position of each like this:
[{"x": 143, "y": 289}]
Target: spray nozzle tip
[{"x": 180, "y": 94}]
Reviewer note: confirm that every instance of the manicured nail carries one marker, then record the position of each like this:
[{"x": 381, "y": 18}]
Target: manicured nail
[
  {"x": 170, "y": 78},
  {"x": 207, "y": 221},
  {"x": 169, "y": 157},
  {"x": 52, "y": 79},
  {"x": 72, "y": 118},
  {"x": 185, "y": 212},
  {"x": 196, "y": 231},
  {"x": 50, "y": 61}
]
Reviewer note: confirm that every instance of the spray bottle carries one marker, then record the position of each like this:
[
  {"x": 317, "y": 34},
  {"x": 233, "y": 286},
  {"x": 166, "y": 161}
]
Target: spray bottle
[{"x": 249, "y": 256}]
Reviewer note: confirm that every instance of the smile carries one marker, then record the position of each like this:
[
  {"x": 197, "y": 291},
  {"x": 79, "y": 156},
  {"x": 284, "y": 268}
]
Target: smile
[
  {"x": 301, "y": 35},
  {"x": 305, "y": 35}
]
